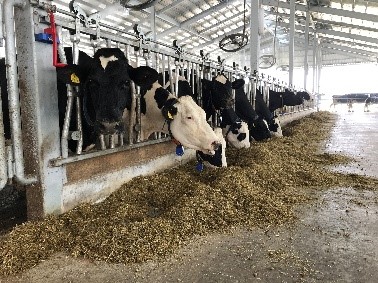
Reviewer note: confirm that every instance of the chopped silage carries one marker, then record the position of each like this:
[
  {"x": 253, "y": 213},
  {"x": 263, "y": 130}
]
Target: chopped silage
[{"x": 150, "y": 217}]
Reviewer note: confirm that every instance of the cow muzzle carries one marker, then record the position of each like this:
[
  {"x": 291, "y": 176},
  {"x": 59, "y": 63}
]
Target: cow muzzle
[
  {"x": 109, "y": 128},
  {"x": 215, "y": 145}
]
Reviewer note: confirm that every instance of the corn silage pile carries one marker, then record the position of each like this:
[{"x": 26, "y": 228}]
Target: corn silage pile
[{"x": 150, "y": 217}]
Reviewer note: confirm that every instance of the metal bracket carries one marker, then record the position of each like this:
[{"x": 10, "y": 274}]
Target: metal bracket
[
  {"x": 144, "y": 39},
  {"x": 93, "y": 19}
]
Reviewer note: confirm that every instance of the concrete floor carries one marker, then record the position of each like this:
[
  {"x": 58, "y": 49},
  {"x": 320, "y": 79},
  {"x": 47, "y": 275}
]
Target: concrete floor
[{"x": 356, "y": 135}]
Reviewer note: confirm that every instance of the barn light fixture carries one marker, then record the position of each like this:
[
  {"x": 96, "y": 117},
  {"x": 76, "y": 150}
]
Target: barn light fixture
[
  {"x": 141, "y": 6},
  {"x": 234, "y": 42}
]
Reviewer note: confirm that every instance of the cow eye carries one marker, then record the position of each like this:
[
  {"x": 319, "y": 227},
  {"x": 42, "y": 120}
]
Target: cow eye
[
  {"x": 125, "y": 85},
  {"x": 189, "y": 117}
]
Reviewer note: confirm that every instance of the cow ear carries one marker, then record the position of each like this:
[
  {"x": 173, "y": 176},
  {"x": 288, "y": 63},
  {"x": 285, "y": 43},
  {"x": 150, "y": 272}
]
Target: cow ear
[
  {"x": 206, "y": 84},
  {"x": 169, "y": 112},
  {"x": 143, "y": 76},
  {"x": 236, "y": 84},
  {"x": 169, "y": 109},
  {"x": 70, "y": 74}
]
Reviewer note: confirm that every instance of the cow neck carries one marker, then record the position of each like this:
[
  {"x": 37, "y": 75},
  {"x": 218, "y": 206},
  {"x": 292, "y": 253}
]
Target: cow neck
[{"x": 169, "y": 118}]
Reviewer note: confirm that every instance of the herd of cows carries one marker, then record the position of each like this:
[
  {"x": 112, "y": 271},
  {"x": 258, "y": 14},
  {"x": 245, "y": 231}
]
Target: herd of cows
[{"x": 106, "y": 81}]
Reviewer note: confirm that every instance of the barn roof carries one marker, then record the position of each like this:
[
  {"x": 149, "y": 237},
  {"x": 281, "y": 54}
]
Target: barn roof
[{"x": 347, "y": 29}]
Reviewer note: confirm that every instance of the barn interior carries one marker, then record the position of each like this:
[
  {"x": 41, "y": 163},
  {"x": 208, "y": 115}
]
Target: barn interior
[{"x": 265, "y": 41}]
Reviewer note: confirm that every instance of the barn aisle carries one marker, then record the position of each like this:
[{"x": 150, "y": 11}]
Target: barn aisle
[{"x": 356, "y": 135}]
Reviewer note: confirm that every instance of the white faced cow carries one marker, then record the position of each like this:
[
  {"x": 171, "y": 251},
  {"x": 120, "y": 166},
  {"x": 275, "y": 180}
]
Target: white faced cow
[
  {"x": 180, "y": 117},
  {"x": 235, "y": 131}
]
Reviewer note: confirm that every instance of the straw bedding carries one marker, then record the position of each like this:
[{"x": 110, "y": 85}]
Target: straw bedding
[{"x": 150, "y": 217}]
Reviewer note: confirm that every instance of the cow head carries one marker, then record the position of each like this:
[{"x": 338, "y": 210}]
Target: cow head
[
  {"x": 218, "y": 91},
  {"x": 218, "y": 159},
  {"x": 237, "y": 134},
  {"x": 186, "y": 120},
  {"x": 275, "y": 127},
  {"x": 105, "y": 87},
  {"x": 188, "y": 125},
  {"x": 304, "y": 95},
  {"x": 235, "y": 130},
  {"x": 259, "y": 130}
]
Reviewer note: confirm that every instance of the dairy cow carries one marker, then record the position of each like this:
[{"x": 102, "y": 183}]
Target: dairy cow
[
  {"x": 279, "y": 99},
  {"x": 216, "y": 94},
  {"x": 218, "y": 159},
  {"x": 261, "y": 121},
  {"x": 179, "y": 117},
  {"x": 235, "y": 130},
  {"x": 105, "y": 90}
]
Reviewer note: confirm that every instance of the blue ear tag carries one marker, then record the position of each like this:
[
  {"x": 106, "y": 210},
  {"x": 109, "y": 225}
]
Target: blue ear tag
[
  {"x": 199, "y": 167},
  {"x": 179, "y": 150}
]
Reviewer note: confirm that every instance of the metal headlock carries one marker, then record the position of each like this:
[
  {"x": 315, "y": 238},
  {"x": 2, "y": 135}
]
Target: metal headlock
[{"x": 87, "y": 31}]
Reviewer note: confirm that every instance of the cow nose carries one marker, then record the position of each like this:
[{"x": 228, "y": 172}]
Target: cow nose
[
  {"x": 110, "y": 127},
  {"x": 216, "y": 145}
]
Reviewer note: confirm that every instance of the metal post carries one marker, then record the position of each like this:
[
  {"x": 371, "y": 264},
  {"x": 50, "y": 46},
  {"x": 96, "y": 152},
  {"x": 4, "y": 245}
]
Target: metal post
[
  {"x": 13, "y": 91},
  {"x": 40, "y": 115},
  {"x": 254, "y": 34},
  {"x": 305, "y": 59},
  {"x": 291, "y": 40}
]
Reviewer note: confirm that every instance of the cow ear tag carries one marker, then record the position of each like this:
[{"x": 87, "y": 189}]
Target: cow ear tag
[
  {"x": 179, "y": 150},
  {"x": 199, "y": 167},
  {"x": 75, "y": 79},
  {"x": 170, "y": 116}
]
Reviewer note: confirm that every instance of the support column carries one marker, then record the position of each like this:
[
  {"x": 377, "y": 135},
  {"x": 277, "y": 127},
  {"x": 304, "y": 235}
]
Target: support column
[
  {"x": 291, "y": 41},
  {"x": 255, "y": 34},
  {"x": 305, "y": 59},
  {"x": 314, "y": 63},
  {"x": 40, "y": 116}
]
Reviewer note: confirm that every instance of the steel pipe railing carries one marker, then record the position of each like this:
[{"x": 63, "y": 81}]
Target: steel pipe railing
[{"x": 13, "y": 90}]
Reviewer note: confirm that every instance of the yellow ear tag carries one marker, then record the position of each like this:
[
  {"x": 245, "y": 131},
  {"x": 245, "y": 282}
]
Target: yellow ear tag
[
  {"x": 75, "y": 79},
  {"x": 170, "y": 115}
]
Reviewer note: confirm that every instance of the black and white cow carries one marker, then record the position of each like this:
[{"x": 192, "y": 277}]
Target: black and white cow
[
  {"x": 216, "y": 160},
  {"x": 216, "y": 94},
  {"x": 180, "y": 117},
  {"x": 105, "y": 90},
  {"x": 279, "y": 99},
  {"x": 235, "y": 131},
  {"x": 262, "y": 123}
]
